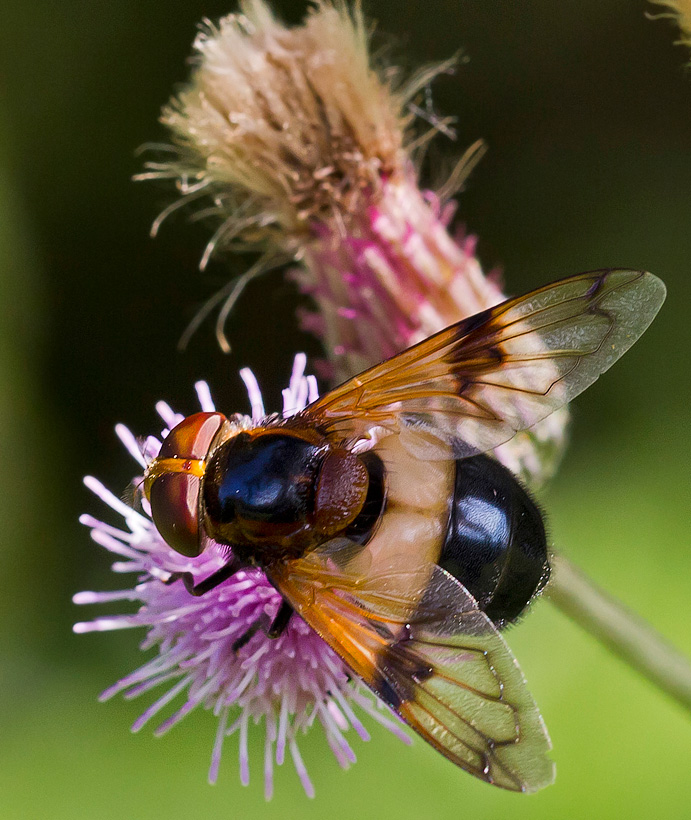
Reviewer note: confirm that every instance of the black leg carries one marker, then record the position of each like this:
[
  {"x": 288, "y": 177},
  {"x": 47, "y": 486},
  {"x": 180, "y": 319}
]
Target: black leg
[
  {"x": 207, "y": 584},
  {"x": 271, "y": 628},
  {"x": 280, "y": 622}
]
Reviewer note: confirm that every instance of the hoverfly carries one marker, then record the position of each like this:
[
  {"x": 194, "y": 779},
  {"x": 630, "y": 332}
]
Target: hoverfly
[{"x": 380, "y": 519}]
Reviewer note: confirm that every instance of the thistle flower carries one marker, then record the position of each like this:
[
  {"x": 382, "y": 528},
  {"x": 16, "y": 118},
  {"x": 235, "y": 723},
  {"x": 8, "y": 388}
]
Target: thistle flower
[
  {"x": 289, "y": 683},
  {"x": 304, "y": 152}
]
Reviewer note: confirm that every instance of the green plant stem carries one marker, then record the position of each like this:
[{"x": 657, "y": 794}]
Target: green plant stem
[{"x": 620, "y": 629}]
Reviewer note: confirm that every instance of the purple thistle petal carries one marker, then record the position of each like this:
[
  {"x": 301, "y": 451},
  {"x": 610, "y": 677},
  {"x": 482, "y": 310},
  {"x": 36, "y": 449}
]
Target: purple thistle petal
[
  {"x": 131, "y": 444},
  {"x": 244, "y": 755},
  {"x": 282, "y": 732},
  {"x": 156, "y": 707},
  {"x": 301, "y": 770},
  {"x": 168, "y": 724},
  {"x": 350, "y": 715},
  {"x": 254, "y": 393},
  {"x": 218, "y": 745},
  {"x": 268, "y": 757},
  {"x": 206, "y": 402}
]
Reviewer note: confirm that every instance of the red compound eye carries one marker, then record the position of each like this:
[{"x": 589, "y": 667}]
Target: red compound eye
[
  {"x": 175, "y": 509},
  {"x": 192, "y": 437},
  {"x": 173, "y": 481}
]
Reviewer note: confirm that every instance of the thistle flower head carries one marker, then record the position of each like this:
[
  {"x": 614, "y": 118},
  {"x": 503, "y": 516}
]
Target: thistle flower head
[
  {"x": 288, "y": 684},
  {"x": 285, "y": 128},
  {"x": 306, "y": 153}
]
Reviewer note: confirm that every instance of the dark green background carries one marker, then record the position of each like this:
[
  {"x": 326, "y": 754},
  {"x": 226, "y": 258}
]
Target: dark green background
[{"x": 586, "y": 108}]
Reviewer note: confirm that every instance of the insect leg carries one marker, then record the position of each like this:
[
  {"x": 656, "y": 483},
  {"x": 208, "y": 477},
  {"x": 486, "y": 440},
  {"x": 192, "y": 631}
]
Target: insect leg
[
  {"x": 208, "y": 583},
  {"x": 280, "y": 622},
  {"x": 271, "y": 628}
]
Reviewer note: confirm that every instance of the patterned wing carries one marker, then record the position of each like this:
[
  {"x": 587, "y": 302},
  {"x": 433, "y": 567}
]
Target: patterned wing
[
  {"x": 477, "y": 383},
  {"x": 416, "y": 637}
]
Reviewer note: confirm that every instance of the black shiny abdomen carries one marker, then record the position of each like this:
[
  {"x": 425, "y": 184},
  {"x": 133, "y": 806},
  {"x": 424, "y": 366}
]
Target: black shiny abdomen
[
  {"x": 266, "y": 479},
  {"x": 495, "y": 544}
]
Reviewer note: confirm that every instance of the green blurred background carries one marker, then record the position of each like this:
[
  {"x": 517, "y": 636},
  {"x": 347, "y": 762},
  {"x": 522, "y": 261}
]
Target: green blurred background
[{"x": 586, "y": 108}]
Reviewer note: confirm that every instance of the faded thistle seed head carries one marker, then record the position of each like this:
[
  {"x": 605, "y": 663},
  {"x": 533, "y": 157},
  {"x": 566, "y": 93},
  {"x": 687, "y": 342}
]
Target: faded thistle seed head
[{"x": 282, "y": 128}]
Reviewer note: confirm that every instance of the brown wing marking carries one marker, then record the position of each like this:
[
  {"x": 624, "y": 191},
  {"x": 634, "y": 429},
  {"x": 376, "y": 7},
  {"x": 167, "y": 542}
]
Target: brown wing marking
[
  {"x": 435, "y": 658},
  {"x": 480, "y": 381}
]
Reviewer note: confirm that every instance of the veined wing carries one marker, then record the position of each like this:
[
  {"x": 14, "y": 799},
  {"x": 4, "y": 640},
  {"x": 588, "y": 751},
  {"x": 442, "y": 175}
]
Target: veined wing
[
  {"x": 477, "y": 383},
  {"x": 416, "y": 637}
]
